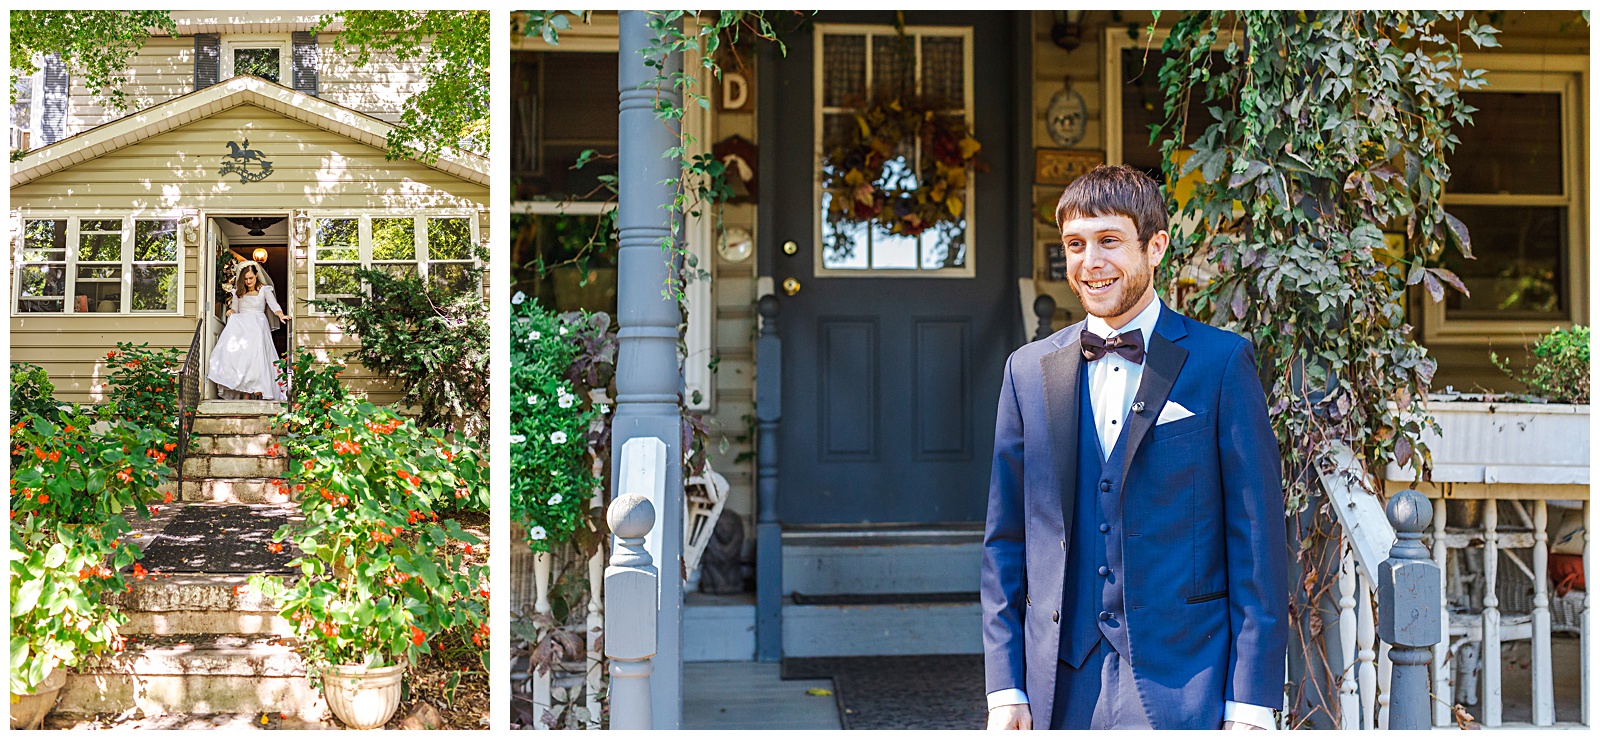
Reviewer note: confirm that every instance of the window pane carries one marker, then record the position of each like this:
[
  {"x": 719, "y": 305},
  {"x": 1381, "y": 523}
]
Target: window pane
[
  {"x": 105, "y": 224},
  {"x": 563, "y": 103},
  {"x": 263, "y": 63},
  {"x": 98, "y": 289},
  {"x": 337, "y": 280},
  {"x": 394, "y": 239},
  {"x": 99, "y": 247},
  {"x": 399, "y": 269},
  {"x": 42, "y": 281},
  {"x": 1512, "y": 146},
  {"x": 155, "y": 241},
  {"x": 1520, "y": 271},
  {"x": 894, "y": 65},
  {"x": 338, "y": 239},
  {"x": 943, "y": 70},
  {"x": 844, "y": 70},
  {"x": 155, "y": 288},
  {"x": 1143, "y": 104},
  {"x": 945, "y": 246},
  {"x": 449, "y": 239},
  {"x": 45, "y": 240},
  {"x": 451, "y": 278},
  {"x": 844, "y": 244}
]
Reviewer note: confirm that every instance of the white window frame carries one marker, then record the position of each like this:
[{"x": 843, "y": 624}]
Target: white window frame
[
  {"x": 364, "y": 245},
  {"x": 1567, "y": 75},
  {"x": 283, "y": 42},
  {"x": 30, "y": 129},
  {"x": 71, "y": 263},
  {"x": 967, "y": 270}
]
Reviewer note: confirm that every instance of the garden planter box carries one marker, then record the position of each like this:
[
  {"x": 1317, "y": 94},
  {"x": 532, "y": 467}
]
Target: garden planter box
[{"x": 1507, "y": 443}]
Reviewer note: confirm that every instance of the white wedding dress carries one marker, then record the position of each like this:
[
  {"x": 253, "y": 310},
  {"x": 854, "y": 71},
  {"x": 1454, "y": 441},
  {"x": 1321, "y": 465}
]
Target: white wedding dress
[{"x": 243, "y": 358}]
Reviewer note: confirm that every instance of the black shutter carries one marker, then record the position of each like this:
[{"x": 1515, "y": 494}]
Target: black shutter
[
  {"x": 207, "y": 59},
  {"x": 52, "y": 101},
  {"x": 305, "y": 62}
]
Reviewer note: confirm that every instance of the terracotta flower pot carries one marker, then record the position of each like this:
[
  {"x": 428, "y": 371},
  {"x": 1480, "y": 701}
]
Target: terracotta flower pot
[
  {"x": 363, "y": 698},
  {"x": 28, "y": 710}
]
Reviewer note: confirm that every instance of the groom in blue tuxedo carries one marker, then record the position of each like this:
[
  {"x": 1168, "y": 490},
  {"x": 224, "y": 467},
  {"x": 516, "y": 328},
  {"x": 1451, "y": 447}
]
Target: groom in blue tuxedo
[{"x": 1134, "y": 569}]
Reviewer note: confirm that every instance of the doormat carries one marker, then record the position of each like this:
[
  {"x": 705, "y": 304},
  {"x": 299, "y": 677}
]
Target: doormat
[
  {"x": 901, "y": 692},
  {"x": 221, "y": 539},
  {"x": 876, "y": 599}
]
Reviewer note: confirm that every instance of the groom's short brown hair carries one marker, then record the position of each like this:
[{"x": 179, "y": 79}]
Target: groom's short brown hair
[{"x": 1115, "y": 190}]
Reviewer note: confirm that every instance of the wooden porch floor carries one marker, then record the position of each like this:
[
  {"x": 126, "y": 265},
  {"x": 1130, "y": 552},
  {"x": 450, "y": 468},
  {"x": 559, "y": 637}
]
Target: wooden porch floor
[{"x": 751, "y": 696}]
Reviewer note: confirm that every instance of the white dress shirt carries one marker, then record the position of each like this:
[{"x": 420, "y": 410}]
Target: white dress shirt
[{"x": 1113, "y": 382}]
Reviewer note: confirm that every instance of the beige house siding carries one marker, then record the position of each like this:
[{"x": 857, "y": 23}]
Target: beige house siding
[
  {"x": 313, "y": 170},
  {"x": 378, "y": 89},
  {"x": 162, "y": 70},
  {"x": 733, "y": 335}
]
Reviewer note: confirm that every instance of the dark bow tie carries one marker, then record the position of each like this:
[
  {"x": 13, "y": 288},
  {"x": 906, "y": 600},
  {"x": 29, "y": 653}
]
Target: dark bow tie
[{"x": 1128, "y": 344}]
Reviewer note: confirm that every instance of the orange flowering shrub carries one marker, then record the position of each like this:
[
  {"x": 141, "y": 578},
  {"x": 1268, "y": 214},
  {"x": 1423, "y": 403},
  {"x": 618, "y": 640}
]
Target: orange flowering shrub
[
  {"x": 69, "y": 489},
  {"x": 144, "y": 386},
  {"x": 383, "y": 576}
]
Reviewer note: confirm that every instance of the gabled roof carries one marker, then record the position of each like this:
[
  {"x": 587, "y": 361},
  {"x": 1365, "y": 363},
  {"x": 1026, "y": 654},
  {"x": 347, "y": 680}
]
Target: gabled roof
[{"x": 241, "y": 90}]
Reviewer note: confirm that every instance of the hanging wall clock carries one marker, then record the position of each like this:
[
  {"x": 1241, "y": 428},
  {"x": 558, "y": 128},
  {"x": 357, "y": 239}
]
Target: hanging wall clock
[{"x": 1067, "y": 117}]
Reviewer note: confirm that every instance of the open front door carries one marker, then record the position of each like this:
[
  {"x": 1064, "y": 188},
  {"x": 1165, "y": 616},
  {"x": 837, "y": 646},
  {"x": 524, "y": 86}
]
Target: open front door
[{"x": 216, "y": 243}]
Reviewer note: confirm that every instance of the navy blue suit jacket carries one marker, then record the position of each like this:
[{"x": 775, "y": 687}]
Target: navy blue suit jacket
[{"x": 1202, "y": 513}]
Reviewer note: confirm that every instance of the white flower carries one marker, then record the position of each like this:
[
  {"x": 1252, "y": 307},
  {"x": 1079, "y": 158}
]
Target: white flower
[
  {"x": 566, "y": 399},
  {"x": 563, "y": 331},
  {"x": 537, "y": 533},
  {"x": 518, "y": 439},
  {"x": 556, "y": 499},
  {"x": 533, "y": 400},
  {"x": 604, "y": 409},
  {"x": 534, "y": 336},
  {"x": 559, "y": 438},
  {"x": 518, "y": 298}
]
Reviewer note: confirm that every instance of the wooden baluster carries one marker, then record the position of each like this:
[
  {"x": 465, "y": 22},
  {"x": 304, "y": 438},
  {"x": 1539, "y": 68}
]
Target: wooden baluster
[
  {"x": 1366, "y": 655},
  {"x": 1349, "y": 699},
  {"x": 1544, "y": 702},
  {"x": 1583, "y": 632},
  {"x": 594, "y": 627},
  {"x": 632, "y": 592},
  {"x": 541, "y": 605},
  {"x": 1385, "y": 673},
  {"x": 1444, "y": 685},
  {"x": 1491, "y": 615}
]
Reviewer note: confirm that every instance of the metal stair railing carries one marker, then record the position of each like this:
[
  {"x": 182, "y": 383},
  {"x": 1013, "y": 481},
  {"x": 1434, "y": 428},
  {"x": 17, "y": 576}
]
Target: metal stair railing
[{"x": 189, "y": 382}]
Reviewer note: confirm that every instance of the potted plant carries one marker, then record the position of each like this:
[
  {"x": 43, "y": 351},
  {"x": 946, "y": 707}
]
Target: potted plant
[
  {"x": 69, "y": 489},
  {"x": 381, "y": 574}
]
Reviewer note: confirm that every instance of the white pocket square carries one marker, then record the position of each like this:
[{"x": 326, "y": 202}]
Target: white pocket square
[{"x": 1171, "y": 412}]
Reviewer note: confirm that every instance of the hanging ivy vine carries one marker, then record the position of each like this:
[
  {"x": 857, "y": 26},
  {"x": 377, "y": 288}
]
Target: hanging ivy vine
[{"x": 1316, "y": 203}]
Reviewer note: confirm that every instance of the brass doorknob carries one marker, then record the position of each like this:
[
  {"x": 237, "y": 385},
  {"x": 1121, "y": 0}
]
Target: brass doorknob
[
  {"x": 790, "y": 247},
  {"x": 791, "y": 286}
]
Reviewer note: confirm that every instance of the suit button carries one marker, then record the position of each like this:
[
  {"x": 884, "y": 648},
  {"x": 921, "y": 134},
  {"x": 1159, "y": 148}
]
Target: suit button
[
  {"x": 1105, "y": 527},
  {"x": 1105, "y": 485},
  {"x": 1105, "y": 616},
  {"x": 1028, "y": 599},
  {"x": 1055, "y": 616},
  {"x": 1105, "y": 571}
]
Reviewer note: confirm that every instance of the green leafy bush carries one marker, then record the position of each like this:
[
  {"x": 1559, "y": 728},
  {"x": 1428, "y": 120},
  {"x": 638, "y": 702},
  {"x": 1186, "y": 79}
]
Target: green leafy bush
[
  {"x": 315, "y": 389},
  {"x": 1558, "y": 367},
  {"x": 31, "y": 392},
  {"x": 69, "y": 489},
  {"x": 144, "y": 386},
  {"x": 433, "y": 340},
  {"x": 381, "y": 573},
  {"x": 552, "y": 479}
]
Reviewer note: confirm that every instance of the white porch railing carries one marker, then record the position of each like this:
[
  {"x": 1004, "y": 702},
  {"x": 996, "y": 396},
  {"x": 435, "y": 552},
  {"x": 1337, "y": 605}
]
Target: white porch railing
[{"x": 1485, "y": 605}]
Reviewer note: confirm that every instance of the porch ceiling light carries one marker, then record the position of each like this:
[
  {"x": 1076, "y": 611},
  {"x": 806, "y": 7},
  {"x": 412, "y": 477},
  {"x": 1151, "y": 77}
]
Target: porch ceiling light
[
  {"x": 259, "y": 255},
  {"x": 1067, "y": 30}
]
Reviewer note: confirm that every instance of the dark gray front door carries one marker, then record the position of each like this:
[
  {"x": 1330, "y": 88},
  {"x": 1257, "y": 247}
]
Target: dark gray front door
[{"x": 893, "y": 346}]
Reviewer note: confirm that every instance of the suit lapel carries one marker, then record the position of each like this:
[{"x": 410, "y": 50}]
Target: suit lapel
[
  {"x": 1163, "y": 360},
  {"x": 1061, "y": 369}
]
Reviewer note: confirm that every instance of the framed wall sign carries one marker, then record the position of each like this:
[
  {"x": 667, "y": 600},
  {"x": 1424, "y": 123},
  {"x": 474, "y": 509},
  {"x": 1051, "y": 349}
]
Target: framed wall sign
[{"x": 1062, "y": 166}]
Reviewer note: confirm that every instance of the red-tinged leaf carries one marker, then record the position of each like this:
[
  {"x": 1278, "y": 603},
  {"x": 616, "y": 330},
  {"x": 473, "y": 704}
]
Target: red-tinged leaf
[
  {"x": 1450, "y": 277},
  {"x": 1435, "y": 288},
  {"x": 1239, "y": 302},
  {"x": 1463, "y": 239},
  {"x": 1402, "y": 451}
]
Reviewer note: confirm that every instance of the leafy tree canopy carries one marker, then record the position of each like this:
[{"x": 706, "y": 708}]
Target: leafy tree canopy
[
  {"x": 453, "y": 46},
  {"x": 95, "y": 45}
]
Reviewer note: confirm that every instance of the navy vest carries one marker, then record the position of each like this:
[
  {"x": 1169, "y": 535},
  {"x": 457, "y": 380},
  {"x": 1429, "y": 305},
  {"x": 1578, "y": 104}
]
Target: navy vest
[{"x": 1092, "y": 598}]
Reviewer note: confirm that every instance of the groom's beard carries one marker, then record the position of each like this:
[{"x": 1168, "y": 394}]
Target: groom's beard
[{"x": 1133, "y": 288}]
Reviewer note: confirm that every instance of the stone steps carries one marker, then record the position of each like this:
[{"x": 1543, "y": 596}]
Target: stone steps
[
  {"x": 204, "y": 603},
  {"x": 234, "y": 491},
  {"x": 227, "y": 461},
  {"x": 236, "y": 445},
  {"x": 229, "y": 466},
  {"x": 196, "y": 674}
]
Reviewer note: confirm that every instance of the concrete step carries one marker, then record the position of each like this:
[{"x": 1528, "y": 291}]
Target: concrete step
[
  {"x": 239, "y": 445},
  {"x": 209, "y": 424},
  {"x": 196, "y": 674},
  {"x": 811, "y": 631},
  {"x": 234, "y": 491},
  {"x": 882, "y": 562},
  {"x": 240, "y": 408},
  {"x": 204, "y": 603},
  {"x": 227, "y": 466}
]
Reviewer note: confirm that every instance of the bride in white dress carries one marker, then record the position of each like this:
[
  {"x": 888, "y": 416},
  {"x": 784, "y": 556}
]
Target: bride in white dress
[{"x": 242, "y": 363}]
